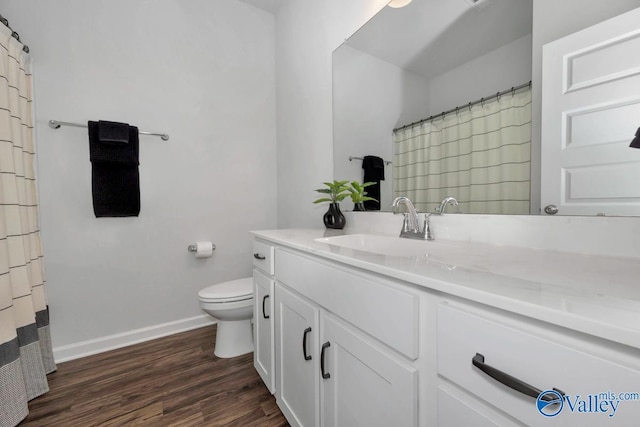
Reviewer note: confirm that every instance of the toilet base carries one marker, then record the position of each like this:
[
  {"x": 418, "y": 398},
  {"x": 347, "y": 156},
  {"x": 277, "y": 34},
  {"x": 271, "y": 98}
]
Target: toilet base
[{"x": 233, "y": 338}]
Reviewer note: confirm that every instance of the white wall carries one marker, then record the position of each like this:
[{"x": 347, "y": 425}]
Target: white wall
[
  {"x": 371, "y": 97},
  {"x": 202, "y": 71},
  {"x": 307, "y": 32},
  {"x": 552, "y": 20},
  {"x": 498, "y": 70}
]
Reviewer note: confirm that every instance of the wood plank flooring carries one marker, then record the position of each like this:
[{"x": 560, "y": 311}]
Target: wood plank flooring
[{"x": 171, "y": 381}]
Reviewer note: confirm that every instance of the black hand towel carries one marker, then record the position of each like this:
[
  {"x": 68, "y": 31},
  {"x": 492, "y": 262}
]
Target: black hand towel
[
  {"x": 114, "y": 132},
  {"x": 115, "y": 180},
  {"x": 636, "y": 141},
  {"x": 373, "y": 172}
]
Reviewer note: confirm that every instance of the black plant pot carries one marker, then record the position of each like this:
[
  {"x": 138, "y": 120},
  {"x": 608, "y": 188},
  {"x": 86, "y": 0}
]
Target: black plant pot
[
  {"x": 359, "y": 207},
  {"x": 334, "y": 218}
]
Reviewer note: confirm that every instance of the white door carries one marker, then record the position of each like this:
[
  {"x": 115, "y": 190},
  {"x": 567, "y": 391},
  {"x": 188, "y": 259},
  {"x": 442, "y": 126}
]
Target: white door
[
  {"x": 263, "y": 356},
  {"x": 590, "y": 114},
  {"x": 297, "y": 359},
  {"x": 362, "y": 384}
]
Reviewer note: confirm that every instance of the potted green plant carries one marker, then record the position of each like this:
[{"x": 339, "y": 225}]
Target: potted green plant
[
  {"x": 359, "y": 195},
  {"x": 335, "y": 192}
]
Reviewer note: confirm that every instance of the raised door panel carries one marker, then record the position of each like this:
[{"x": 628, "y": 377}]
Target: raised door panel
[
  {"x": 297, "y": 366},
  {"x": 590, "y": 113},
  {"x": 264, "y": 355},
  {"x": 362, "y": 384}
]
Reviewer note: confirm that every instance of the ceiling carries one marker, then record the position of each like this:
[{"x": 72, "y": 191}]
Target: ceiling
[
  {"x": 430, "y": 37},
  {"x": 271, "y": 6}
]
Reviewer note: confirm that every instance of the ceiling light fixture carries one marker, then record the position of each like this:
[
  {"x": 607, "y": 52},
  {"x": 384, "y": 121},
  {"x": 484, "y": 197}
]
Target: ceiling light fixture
[{"x": 398, "y": 3}]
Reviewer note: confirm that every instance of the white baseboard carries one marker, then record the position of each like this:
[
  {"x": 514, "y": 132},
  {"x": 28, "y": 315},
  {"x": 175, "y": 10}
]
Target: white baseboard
[{"x": 111, "y": 342}]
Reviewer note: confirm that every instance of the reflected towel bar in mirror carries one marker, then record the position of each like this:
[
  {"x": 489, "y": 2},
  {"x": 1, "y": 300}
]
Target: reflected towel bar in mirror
[{"x": 351, "y": 158}]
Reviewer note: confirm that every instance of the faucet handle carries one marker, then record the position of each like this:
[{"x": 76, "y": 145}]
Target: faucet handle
[
  {"x": 426, "y": 229},
  {"x": 405, "y": 222}
]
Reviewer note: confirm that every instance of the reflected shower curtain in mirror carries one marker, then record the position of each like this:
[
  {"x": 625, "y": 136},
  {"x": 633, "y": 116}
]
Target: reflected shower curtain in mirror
[
  {"x": 25, "y": 344},
  {"x": 481, "y": 155}
]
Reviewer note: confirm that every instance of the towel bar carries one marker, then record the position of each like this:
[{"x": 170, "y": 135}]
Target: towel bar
[{"x": 55, "y": 124}]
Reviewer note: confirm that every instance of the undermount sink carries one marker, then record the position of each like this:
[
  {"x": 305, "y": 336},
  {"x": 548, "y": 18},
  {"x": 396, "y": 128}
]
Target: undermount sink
[{"x": 382, "y": 245}]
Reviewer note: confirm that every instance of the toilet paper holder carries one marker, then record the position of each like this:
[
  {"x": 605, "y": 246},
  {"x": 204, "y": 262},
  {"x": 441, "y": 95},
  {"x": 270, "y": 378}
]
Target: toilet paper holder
[{"x": 194, "y": 248}]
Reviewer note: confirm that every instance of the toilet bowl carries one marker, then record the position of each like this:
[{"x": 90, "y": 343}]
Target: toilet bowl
[{"x": 231, "y": 303}]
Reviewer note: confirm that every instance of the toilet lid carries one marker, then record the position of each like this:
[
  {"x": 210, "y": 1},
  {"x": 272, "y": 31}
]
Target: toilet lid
[{"x": 234, "y": 290}]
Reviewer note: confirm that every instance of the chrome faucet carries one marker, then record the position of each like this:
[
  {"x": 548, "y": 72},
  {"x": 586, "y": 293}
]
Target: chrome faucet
[
  {"x": 410, "y": 225},
  {"x": 443, "y": 205}
]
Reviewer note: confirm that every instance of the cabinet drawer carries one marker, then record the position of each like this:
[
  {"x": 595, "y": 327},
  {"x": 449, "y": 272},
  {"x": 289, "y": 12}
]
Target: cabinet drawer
[
  {"x": 263, "y": 257},
  {"x": 587, "y": 380},
  {"x": 457, "y": 410},
  {"x": 368, "y": 302}
]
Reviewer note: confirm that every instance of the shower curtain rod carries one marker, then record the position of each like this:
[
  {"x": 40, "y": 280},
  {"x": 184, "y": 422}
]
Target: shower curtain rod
[
  {"x": 469, "y": 105},
  {"x": 55, "y": 124},
  {"x": 15, "y": 35}
]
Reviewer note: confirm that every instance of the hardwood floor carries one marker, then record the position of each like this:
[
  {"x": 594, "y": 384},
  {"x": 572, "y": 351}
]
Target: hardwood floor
[{"x": 171, "y": 381}]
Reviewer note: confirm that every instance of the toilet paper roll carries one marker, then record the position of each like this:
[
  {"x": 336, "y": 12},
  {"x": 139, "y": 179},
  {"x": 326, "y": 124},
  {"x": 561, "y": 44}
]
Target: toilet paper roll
[{"x": 204, "y": 249}]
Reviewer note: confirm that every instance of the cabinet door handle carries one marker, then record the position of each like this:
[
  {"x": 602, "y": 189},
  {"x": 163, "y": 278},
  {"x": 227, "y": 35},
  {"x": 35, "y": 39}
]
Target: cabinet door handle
[
  {"x": 264, "y": 313},
  {"x": 258, "y": 256},
  {"x": 325, "y": 375},
  {"x": 304, "y": 344},
  {"x": 506, "y": 379}
]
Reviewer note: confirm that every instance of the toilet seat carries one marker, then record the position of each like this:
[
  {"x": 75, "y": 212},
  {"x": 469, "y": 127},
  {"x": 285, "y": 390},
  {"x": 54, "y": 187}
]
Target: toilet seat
[
  {"x": 231, "y": 305},
  {"x": 233, "y": 291}
]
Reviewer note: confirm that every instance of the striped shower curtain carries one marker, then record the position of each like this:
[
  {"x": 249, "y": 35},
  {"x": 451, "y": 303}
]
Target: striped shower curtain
[
  {"x": 480, "y": 155},
  {"x": 25, "y": 345}
]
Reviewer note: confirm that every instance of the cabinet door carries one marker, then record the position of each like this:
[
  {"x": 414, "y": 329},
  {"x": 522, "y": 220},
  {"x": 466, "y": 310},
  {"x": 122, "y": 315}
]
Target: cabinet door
[
  {"x": 362, "y": 384},
  {"x": 297, "y": 356},
  {"x": 263, "y": 356}
]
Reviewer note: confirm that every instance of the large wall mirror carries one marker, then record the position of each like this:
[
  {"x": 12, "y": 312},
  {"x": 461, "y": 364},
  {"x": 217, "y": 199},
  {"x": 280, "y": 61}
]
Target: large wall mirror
[{"x": 415, "y": 62}]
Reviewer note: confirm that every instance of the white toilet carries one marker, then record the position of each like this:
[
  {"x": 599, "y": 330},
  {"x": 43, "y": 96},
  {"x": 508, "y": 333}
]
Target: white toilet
[{"x": 231, "y": 303}]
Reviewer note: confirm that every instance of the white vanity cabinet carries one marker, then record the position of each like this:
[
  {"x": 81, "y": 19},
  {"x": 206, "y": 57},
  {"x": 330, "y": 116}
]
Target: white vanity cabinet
[
  {"x": 366, "y": 340},
  {"x": 329, "y": 372},
  {"x": 263, "y": 320}
]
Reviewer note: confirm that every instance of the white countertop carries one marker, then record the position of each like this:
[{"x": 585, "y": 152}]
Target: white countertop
[{"x": 594, "y": 294}]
